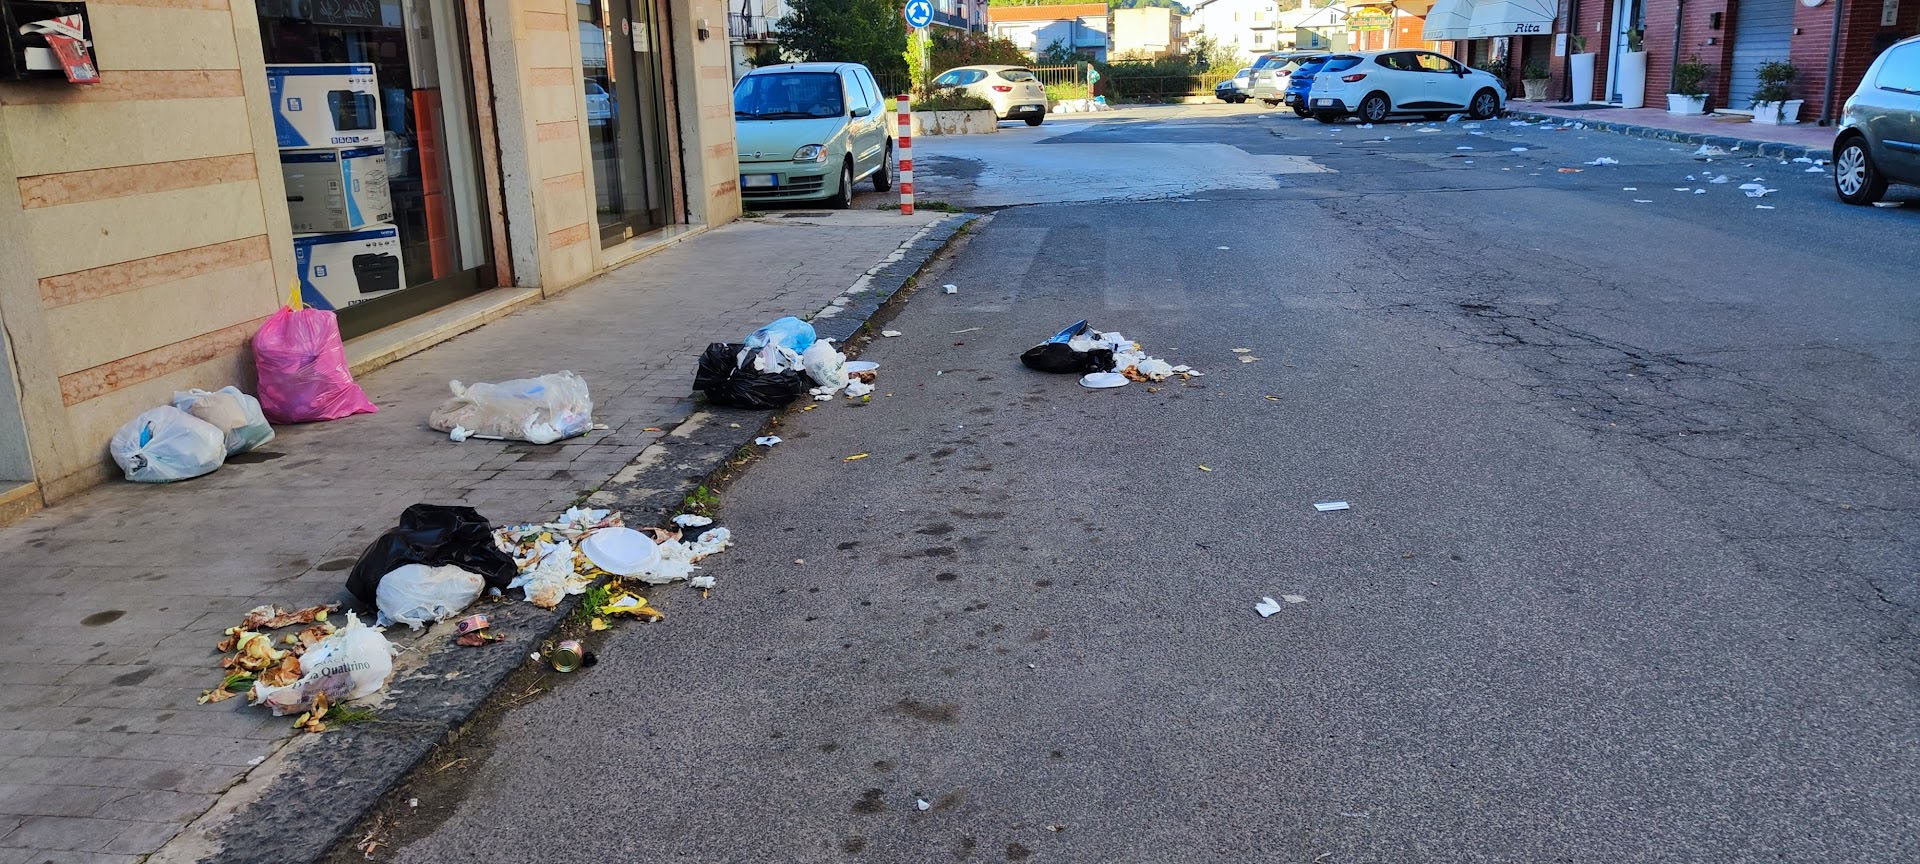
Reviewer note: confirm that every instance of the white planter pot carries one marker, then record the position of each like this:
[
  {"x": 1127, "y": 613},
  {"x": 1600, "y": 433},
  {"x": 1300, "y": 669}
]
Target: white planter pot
[
  {"x": 1778, "y": 113},
  {"x": 980, "y": 122},
  {"x": 1679, "y": 103},
  {"x": 1580, "y": 69},
  {"x": 1536, "y": 90},
  {"x": 1632, "y": 79}
]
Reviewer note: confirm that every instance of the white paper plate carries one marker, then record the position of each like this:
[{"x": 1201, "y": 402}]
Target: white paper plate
[
  {"x": 861, "y": 365},
  {"x": 1103, "y": 380},
  {"x": 620, "y": 551}
]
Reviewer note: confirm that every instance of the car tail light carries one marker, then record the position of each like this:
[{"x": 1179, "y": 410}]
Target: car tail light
[
  {"x": 1002, "y": 88},
  {"x": 1354, "y": 77}
]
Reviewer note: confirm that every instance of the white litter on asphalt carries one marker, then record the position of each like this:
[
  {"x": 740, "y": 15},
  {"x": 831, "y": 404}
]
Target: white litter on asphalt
[
  {"x": 1366, "y": 126},
  {"x": 1763, "y": 206},
  {"x": 1267, "y": 607},
  {"x": 1683, "y": 188},
  {"x": 1643, "y": 200},
  {"x": 889, "y": 333},
  {"x": 1689, "y": 178},
  {"x": 1721, "y": 178},
  {"x": 1815, "y": 169},
  {"x": 1519, "y": 149},
  {"x": 1605, "y": 160},
  {"x": 1889, "y": 204},
  {"x": 767, "y": 440},
  {"x": 1455, "y": 118},
  {"x": 968, "y": 330},
  {"x": 1329, "y": 506},
  {"x": 922, "y": 805},
  {"x": 1629, "y": 188},
  {"x": 1709, "y": 150},
  {"x": 1755, "y": 190},
  {"x": 950, "y": 289},
  {"x": 1293, "y": 598},
  {"x": 1103, "y": 380},
  {"x": 1802, "y": 159},
  {"x": 1243, "y": 350},
  {"x": 1699, "y": 191},
  {"x": 1463, "y": 148},
  {"x": 1471, "y": 126},
  {"x": 1223, "y": 248}
]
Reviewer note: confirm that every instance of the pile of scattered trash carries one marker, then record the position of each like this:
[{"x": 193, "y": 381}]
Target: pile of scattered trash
[
  {"x": 1103, "y": 360},
  {"x": 434, "y": 564},
  {"x": 776, "y": 364}
]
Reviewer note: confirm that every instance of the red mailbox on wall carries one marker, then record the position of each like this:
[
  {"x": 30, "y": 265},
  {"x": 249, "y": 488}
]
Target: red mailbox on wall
[{"x": 47, "y": 41}]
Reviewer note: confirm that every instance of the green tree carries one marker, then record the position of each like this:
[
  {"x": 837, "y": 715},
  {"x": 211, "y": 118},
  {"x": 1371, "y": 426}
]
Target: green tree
[
  {"x": 1210, "y": 55},
  {"x": 1058, "y": 54},
  {"x": 869, "y": 32}
]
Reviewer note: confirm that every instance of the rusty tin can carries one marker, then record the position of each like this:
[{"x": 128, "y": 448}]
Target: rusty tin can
[
  {"x": 566, "y": 656},
  {"x": 471, "y": 624}
]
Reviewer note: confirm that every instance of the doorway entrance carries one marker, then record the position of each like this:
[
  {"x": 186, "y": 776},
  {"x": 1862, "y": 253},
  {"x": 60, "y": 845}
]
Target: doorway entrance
[
  {"x": 16, "y": 463},
  {"x": 623, "y": 60},
  {"x": 1762, "y": 32},
  {"x": 1627, "y": 15}
]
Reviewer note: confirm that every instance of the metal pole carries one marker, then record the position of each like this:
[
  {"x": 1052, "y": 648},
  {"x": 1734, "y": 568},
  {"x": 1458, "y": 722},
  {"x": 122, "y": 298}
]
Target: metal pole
[
  {"x": 906, "y": 156},
  {"x": 1827, "y": 114}
]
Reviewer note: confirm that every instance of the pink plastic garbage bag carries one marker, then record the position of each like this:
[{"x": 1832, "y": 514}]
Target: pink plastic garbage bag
[{"x": 303, "y": 368}]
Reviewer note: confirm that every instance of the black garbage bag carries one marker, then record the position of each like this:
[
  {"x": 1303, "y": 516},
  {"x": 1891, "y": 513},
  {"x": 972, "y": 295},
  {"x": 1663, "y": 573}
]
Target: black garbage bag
[
  {"x": 435, "y": 535},
  {"x": 1060, "y": 358},
  {"x": 726, "y": 382}
]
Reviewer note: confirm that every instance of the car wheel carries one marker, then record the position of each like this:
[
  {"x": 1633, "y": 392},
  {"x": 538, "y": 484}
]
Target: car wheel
[
  {"x": 1485, "y": 105},
  {"x": 1302, "y": 110},
  {"x": 1854, "y": 176},
  {"x": 843, "y": 198},
  {"x": 883, "y": 178},
  {"x": 1373, "y": 109},
  {"x": 1036, "y": 120}
]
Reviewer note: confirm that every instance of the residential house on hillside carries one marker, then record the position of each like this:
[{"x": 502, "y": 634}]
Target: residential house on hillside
[
  {"x": 1081, "y": 27},
  {"x": 1148, "y": 31}
]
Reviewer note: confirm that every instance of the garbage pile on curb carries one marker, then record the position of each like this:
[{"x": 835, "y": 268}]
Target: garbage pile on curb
[
  {"x": 536, "y": 410},
  {"x": 437, "y": 561},
  {"x": 776, "y": 364},
  {"x": 1103, "y": 360}
]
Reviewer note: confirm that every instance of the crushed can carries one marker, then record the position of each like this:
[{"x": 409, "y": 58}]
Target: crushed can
[
  {"x": 566, "y": 656},
  {"x": 471, "y": 624}
]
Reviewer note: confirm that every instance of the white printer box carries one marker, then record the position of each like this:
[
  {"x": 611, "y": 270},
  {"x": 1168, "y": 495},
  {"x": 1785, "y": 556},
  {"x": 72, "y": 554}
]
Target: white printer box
[
  {"x": 341, "y": 269},
  {"x": 336, "y": 188},
  {"x": 325, "y": 104}
]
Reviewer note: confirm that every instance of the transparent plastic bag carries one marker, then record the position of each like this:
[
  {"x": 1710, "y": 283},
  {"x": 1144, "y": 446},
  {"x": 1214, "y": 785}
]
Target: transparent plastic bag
[
  {"x": 353, "y": 663},
  {"x": 303, "y": 368},
  {"x": 538, "y": 410},
  {"x": 826, "y": 366},
  {"x": 165, "y": 444},
  {"x": 234, "y": 413},
  {"x": 415, "y": 594}
]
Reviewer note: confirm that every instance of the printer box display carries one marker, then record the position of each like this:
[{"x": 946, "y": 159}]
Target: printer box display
[
  {"x": 325, "y": 105},
  {"x": 339, "y": 270},
  {"x": 336, "y": 188}
]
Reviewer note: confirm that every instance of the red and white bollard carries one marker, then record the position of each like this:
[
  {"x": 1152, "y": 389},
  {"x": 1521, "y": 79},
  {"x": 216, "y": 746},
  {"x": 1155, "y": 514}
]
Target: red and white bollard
[{"x": 906, "y": 157}]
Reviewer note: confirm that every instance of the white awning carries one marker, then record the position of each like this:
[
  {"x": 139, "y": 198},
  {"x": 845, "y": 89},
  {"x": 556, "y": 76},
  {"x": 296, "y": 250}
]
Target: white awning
[
  {"x": 1448, "y": 20},
  {"x": 1511, "y": 18}
]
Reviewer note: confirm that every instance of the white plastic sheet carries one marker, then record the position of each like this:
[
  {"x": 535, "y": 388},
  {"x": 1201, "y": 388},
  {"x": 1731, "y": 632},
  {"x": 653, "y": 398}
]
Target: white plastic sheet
[{"x": 537, "y": 410}]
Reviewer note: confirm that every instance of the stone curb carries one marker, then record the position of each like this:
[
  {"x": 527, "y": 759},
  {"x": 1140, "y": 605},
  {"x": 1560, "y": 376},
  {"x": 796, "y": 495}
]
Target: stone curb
[
  {"x": 1770, "y": 149},
  {"x": 322, "y": 786}
]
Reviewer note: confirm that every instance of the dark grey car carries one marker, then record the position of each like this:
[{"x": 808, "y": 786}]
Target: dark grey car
[{"x": 1879, "y": 140}]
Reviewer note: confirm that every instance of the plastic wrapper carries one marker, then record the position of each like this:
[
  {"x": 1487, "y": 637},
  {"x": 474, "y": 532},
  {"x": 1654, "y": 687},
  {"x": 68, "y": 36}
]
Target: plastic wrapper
[
  {"x": 237, "y": 415},
  {"x": 353, "y": 663},
  {"x": 303, "y": 368},
  {"x": 538, "y": 410},
  {"x": 435, "y": 535},
  {"x": 826, "y": 366},
  {"x": 415, "y": 594},
  {"x": 166, "y": 444}
]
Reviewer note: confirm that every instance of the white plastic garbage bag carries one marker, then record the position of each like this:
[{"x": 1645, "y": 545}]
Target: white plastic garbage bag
[
  {"x": 353, "y": 663},
  {"x": 165, "y": 444},
  {"x": 537, "y": 410},
  {"x": 415, "y": 594},
  {"x": 827, "y": 367},
  {"x": 236, "y": 414}
]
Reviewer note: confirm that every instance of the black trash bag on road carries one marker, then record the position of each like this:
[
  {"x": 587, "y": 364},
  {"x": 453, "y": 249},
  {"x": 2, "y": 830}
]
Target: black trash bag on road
[
  {"x": 435, "y": 535},
  {"x": 1061, "y": 359},
  {"x": 726, "y": 382}
]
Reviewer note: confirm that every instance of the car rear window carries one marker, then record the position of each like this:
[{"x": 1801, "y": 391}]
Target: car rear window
[
  {"x": 1267, "y": 60},
  {"x": 1341, "y": 63},
  {"x": 1307, "y": 69},
  {"x": 1016, "y": 75}
]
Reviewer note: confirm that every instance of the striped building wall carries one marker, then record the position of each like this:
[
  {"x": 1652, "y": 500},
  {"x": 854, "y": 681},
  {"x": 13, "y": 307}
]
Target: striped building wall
[{"x": 142, "y": 250}]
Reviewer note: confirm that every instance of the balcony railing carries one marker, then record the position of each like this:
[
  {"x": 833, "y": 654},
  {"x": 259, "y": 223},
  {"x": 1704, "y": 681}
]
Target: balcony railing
[{"x": 741, "y": 25}]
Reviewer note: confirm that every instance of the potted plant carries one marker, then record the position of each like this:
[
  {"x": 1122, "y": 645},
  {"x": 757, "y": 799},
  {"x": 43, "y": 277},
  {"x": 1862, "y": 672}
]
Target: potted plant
[
  {"x": 1534, "y": 77},
  {"x": 1580, "y": 69},
  {"x": 1688, "y": 92},
  {"x": 1632, "y": 71},
  {"x": 1773, "y": 102}
]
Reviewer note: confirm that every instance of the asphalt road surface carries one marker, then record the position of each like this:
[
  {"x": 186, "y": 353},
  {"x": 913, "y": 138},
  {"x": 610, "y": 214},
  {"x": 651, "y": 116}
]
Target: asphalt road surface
[{"x": 1629, "y": 573}]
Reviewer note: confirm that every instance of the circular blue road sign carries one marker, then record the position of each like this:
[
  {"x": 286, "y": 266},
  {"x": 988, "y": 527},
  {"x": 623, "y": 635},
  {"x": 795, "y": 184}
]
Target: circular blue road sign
[{"x": 919, "y": 13}]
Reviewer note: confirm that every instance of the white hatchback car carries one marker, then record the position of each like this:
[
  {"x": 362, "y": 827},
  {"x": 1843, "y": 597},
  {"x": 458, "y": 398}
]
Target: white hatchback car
[
  {"x": 1373, "y": 84},
  {"x": 1013, "y": 91}
]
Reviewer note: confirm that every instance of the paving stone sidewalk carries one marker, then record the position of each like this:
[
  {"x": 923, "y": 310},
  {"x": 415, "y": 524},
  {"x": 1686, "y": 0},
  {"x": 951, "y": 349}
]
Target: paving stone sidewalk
[{"x": 114, "y": 599}]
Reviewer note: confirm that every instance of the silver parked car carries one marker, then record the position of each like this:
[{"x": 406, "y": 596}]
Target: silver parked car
[
  {"x": 1879, "y": 141},
  {"x": 1013, "y": 91}
]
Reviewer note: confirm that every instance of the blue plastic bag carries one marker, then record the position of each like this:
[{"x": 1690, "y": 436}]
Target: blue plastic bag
[{"x": 790, "y": 333}]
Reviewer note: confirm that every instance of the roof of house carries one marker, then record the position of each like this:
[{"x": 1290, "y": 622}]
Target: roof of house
[{"x": 1061, "y": 12}]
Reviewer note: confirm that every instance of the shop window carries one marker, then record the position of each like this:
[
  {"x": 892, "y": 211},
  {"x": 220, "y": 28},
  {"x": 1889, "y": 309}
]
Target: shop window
[{"x": 622, "y": 57}]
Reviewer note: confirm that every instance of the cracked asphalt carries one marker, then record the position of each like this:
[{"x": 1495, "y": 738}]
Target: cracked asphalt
[{"x": 1629, "y": 573}]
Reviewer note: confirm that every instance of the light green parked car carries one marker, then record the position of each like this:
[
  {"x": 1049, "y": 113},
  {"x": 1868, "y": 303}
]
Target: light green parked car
[{"x": 810, "y": 131}]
